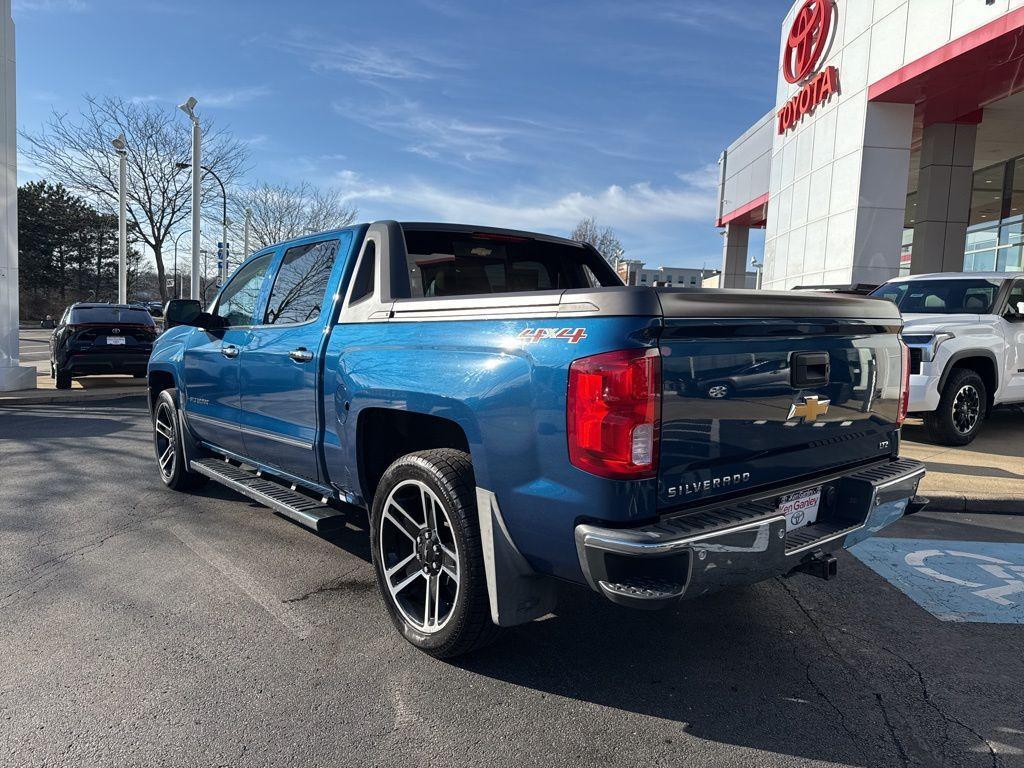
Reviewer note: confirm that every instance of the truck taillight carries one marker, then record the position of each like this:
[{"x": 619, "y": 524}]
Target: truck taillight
[
  {"x": 614, "y": 413},
  {"x": 901, "y": 413}
]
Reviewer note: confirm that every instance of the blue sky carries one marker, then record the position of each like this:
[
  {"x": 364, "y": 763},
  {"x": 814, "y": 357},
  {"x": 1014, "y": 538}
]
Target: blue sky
[{"x": 522, "y": 114}]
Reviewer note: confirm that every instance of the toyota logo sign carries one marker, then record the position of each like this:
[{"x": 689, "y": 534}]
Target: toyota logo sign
[
  {"x": 807, "y": 39},
  {"x": 804, "y": 49}
]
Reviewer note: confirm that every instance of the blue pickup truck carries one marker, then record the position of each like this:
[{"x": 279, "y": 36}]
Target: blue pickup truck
[{"x": 510, "y": 415}]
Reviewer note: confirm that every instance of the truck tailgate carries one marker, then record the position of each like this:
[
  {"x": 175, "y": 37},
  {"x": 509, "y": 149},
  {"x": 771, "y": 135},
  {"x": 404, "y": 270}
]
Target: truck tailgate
[{"x": 763, "y": 389}]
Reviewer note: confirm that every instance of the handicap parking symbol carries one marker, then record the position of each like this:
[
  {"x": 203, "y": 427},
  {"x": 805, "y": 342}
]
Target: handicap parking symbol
[{"x": 974, "y": 581}]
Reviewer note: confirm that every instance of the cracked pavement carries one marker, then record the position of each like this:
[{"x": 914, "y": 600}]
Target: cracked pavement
[{"x": 143, "y": 627}]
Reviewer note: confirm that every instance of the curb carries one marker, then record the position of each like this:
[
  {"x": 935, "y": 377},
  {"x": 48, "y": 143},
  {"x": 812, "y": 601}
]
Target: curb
[
  {"x": 958, "y": 502},
  {"x": 78, "y": 397}
]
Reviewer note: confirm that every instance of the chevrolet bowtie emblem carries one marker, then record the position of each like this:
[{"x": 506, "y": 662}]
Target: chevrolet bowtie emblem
[{"x": 809, "y": 410}]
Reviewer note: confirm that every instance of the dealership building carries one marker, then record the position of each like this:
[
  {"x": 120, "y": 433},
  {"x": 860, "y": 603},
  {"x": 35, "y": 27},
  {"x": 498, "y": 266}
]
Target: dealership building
[{"x": 895, "y": 146}]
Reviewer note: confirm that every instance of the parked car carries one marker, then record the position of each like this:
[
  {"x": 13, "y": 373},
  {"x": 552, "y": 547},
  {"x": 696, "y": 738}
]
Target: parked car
[
  {"x": 965, "y": 331},
  {"x": 93, "y": 338},
  {"x": 764, "y": 376},
  {"x": 499, "y": 403},
  {"x": 858, "y": 289}
]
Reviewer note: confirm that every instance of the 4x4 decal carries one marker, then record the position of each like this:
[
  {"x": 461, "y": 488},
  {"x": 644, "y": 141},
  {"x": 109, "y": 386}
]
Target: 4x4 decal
[{"x": 572, "y": 335}]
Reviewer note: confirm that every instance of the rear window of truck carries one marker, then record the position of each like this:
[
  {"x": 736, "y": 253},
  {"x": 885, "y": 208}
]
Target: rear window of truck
[
  {"x": 466, "y": 263},
  {"x": 89, "y": 315}
]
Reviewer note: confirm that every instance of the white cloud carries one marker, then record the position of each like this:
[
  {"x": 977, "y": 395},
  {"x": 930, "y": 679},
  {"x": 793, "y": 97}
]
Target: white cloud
[
  {"x": 46, "y": 6},
  {"x": 364, "y": 60},
  {"x": 621, "y": 207},
  {"x": 718, "y": 16},
  {"x": 435, "y": 136},
  {"x": 706, "y": 177},
  {"x": 232, "y": 97},
  {"x": 257, "y": 140},
  {"x": 445, "y": 8},
  {"x": 221, "y": 99}
]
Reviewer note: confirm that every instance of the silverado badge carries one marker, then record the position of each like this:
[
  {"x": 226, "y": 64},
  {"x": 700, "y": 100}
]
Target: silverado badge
[{"x": 810, "y": 409}]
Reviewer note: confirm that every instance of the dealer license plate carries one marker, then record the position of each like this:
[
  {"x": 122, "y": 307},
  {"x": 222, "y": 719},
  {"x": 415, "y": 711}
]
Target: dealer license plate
[
  {"x": 115, "y": 340},
  {"x": 800, "y": 508}
]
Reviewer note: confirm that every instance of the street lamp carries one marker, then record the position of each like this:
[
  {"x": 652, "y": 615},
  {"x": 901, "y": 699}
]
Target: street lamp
[
  {"x": 759, "y": 266},
  {"x": 224, "y": 217},
  {"x": 245, "y": 239},
  {"x": 121, "y": 147},
  {"x": 176, "y": 283},
  {"x": 189, "y": 109},
  {"x": 206, "y": 281}
]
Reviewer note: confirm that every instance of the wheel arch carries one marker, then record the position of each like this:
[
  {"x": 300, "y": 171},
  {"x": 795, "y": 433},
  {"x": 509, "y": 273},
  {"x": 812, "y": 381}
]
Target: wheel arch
[
  {"x": 157, "y": 380},
  {"x": 981, "y": 361},
  {"x": 406, "y": 432}
]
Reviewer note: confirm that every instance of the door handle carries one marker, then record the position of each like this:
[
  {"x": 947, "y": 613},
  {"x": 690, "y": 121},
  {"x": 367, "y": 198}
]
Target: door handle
[
  {"x": 301, "y": 355},
  {"x": 229, "y": 351}
]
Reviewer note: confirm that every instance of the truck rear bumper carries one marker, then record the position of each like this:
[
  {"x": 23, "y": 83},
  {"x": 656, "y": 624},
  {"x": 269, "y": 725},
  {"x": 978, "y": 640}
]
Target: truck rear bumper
[
  {"x": 742, "y": 542},
  {"x": 106, "y": 362}
]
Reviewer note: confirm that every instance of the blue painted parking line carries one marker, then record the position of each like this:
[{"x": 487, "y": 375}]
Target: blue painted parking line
[{"x": 975, "y": 581}]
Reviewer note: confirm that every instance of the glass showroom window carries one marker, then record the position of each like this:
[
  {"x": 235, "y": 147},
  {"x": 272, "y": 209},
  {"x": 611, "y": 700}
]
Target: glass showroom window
[{"x": 994, "y": 233}]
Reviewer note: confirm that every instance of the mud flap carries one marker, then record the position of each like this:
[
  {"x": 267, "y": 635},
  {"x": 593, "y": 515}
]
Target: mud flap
[
  {"x": 189, "y": 447},
  {"x": 517, "y": 594}
]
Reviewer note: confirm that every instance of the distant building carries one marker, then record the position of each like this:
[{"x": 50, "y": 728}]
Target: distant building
[
  {"x": 714, "y": 280},
  {"x": 636, "y": 273}
]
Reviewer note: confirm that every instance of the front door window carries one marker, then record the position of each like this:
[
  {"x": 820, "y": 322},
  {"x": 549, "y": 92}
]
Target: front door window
[{"x": 237, "y": 302}]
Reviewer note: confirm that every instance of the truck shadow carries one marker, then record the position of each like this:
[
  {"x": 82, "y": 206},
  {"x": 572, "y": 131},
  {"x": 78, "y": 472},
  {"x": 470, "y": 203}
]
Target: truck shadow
[{"x": 750, "y": 667}]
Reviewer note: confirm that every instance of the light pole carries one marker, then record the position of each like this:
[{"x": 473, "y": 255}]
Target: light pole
[
  {"x": 121, "y": 147},
  {"x": 177, "y": 284},
  {"x": 759, "y": 266},
  {"x": 206, "y": 280},
  {"x": 224, "y": 216},
  {"x": 197, "y": 190},
  {"x": 245, "y": 239}
]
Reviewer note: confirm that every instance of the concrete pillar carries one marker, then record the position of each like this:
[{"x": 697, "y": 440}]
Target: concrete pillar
[
  {"x": 11, "y": 375},
  {"x": 943, "y": 198},
  {"x": 734, "y": 256}
]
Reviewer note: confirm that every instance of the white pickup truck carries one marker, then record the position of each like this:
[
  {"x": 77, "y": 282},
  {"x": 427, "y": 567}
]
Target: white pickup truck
[{"x": 965, "y": 332}]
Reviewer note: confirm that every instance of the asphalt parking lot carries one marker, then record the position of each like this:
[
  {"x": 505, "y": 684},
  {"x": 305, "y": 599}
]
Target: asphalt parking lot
[{"x": 142, "y": 627}]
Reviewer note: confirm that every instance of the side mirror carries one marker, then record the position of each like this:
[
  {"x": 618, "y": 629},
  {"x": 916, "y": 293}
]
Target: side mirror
[
  {"x": 182, "y": 312},
  {"x": 1015, "y": 312}
]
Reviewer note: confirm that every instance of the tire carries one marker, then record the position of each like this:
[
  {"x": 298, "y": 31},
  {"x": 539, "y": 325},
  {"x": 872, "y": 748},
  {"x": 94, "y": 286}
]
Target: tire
[
  {"x": 170, "y": 457},
  {"x": 459, "y": 620},
  {"x": 718, "y": 390},
  {"x": 63, "y": 379},
  {"x": 961, "y": 411}
]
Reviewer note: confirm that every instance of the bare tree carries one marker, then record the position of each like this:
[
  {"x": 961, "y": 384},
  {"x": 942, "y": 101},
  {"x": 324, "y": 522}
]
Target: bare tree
[
  {"x": 77, "y": 153},
  {"x": 602, "y": 238},
  {"x": 281, "y": 212}
]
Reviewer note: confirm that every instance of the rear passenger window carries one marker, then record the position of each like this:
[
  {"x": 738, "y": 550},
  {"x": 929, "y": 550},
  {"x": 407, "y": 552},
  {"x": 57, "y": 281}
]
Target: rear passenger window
[
  {"x": 301, "y": 285},
  {"x": 362, "y": 286}
]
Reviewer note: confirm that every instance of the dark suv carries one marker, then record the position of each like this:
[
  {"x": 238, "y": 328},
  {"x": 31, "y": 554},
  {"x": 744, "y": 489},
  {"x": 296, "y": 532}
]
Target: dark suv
[{"x": 101, "y": 338}]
